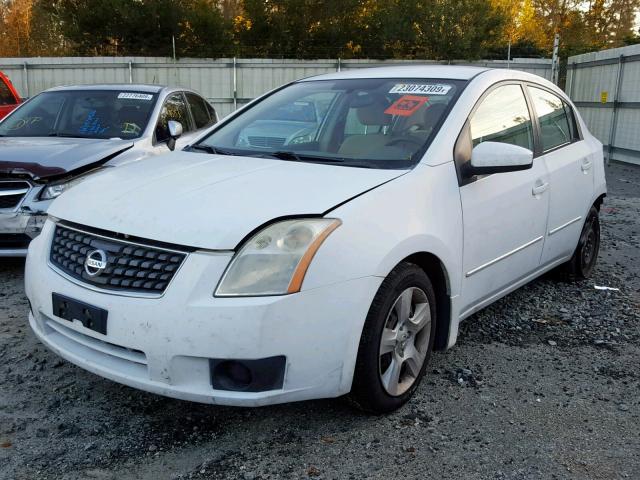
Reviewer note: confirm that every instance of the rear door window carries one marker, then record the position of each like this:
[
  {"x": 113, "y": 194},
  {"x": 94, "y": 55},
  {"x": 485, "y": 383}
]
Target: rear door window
[
  {"x": 503, "y": 117},
  {"x": 212, "y": 112},
  {"x": 555, "y": 129},
  {"x": 198, "y": 110}
]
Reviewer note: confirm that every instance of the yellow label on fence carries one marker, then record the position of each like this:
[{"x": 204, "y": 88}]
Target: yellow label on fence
[{"x": 603, "y": 97}]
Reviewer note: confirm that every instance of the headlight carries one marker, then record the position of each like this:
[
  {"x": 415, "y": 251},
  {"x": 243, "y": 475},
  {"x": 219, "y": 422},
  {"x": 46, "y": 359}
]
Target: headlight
[
  {"x": 55, "y": 190},
  {"x": 52, "y": 191},
  {"x": 302, "y": 139},
  {"x": 275, "y": 260}
]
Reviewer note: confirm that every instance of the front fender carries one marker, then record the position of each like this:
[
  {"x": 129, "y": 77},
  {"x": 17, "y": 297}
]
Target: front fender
[{"x": 414, "y": 213}]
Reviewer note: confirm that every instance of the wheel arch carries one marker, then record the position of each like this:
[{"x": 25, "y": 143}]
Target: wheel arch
[
  {"x": 598, "y": 201},
  {"x": 437, "y": 273}
]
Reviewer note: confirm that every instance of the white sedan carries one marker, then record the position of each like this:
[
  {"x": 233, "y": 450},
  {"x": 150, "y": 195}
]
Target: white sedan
[{"x": 251, "y": 271}]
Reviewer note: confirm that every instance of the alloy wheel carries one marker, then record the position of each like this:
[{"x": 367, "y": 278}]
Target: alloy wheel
[{"x": 405, "y": 341}]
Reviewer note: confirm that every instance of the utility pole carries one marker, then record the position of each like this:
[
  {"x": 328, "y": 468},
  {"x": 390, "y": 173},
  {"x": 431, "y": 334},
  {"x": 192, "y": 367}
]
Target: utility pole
[
  {"x": 555, "y": 62},
  {"x": 175, "y": 67}
]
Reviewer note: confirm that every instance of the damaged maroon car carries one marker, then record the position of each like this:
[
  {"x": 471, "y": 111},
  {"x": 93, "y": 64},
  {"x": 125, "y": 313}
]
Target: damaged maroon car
[{"x": 63, "y": 135}]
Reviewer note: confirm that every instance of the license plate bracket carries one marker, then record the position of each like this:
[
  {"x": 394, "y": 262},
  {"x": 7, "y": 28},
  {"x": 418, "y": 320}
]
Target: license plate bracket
[{"x": 93, "y": 318}]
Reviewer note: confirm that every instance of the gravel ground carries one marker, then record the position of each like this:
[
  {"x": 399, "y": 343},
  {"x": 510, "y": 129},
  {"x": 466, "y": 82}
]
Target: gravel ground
[{"x": 542, "y": 384}]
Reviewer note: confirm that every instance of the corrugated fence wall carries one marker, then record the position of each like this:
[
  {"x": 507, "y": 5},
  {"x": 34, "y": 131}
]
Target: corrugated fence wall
[
  {"x": 605, "y": 86},
  {"x": 227, "y": 83}
]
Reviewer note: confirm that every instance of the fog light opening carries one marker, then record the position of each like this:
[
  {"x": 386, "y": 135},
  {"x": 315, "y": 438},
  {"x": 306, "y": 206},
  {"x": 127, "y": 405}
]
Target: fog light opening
[
  {"x": 233, "y": 374},
  {"x": 247, "y": 375}
]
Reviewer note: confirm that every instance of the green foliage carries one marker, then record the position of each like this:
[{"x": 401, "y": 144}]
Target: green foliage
[
  {"x": 632, "y": 39},
  {"x": 438, "y": 29},
  {"x": 143, "y": 27}
]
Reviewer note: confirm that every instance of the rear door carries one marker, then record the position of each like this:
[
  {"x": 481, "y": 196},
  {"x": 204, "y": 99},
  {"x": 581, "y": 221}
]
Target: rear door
[
  {"x": 569, "y": 161},
  {"x": 504, "y": 214}
]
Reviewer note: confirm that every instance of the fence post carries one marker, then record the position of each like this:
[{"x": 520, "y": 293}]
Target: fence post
[
  {"x": 235, "y": 83},
  {"x": 339, "y": 68},
  {"x": 130, "y": 72},
  {"x": 555, "y": 61},
  {"x": 614, "y": 114},
  {"x": 574, "y": 66},
  {"x": 26, "y": 79}
]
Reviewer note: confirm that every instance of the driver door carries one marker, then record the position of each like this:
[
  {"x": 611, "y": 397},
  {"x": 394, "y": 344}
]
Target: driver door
[{"x": 504, "y": 214}]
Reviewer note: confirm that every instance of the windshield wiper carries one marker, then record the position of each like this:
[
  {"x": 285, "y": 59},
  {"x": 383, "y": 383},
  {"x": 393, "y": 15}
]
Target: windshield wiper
[
  {"x": 210, "y": 149},
  {"x": 294, "y": 156},
  {"x": 62, "y": 134}
]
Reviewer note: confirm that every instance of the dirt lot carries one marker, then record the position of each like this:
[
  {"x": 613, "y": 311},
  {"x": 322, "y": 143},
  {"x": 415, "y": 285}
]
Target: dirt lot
[{"x": 543, "y": 384}]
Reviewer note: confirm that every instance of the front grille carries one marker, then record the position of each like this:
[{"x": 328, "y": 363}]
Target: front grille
[
  {"x": 130, "y": 267},
  {"x": 267, "y": 142},
  {"x": 14, "y": 241},
  {"x": 12, "y": 192}
]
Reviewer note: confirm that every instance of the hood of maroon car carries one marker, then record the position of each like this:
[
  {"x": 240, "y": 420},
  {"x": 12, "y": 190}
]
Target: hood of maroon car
[{"x": 44, "y": 157}]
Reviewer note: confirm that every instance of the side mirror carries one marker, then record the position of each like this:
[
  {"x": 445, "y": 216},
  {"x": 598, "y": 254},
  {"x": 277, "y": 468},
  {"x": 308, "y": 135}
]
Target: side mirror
[
  {"x": 175, "y": 131},
  {"x": 497, "y": 157}
]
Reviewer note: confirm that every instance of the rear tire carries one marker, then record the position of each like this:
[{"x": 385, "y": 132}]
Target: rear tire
[
  {"x": 585, "y": 256},
  {"x": 396, "y": 341}
]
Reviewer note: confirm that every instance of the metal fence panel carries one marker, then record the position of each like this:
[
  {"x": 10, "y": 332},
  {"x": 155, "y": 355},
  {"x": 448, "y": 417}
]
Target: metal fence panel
[
  {"x": 228, "y": 83},
  {"x": 605, "y": 86}
]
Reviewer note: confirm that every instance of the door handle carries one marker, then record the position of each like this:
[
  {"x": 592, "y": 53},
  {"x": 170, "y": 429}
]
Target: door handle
[
  {"x": 586, "y": 165},
  {"x": 539, "y": 189}
]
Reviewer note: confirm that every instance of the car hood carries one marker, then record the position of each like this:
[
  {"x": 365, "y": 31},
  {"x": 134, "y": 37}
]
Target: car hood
[
  {"x": 41, "y": 157},
  {"x": 209, "y": 201}
]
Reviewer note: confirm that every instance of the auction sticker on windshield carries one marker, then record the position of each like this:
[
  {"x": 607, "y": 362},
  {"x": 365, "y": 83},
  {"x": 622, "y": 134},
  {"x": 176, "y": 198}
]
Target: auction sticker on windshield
[
  {"x": 406, "y": 105},
  {"x": 135, "y": 96},
  {"x": 421, "y": 88}
]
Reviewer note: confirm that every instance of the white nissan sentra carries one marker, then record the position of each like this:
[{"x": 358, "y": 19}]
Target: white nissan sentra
[{"x": 259, "y": 267}]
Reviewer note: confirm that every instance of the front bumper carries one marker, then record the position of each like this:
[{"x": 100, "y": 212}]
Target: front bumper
[
  {"x": 19, "y": 224},
  {"x": 17, "y": 228},
  {"x": 163, "y": 345}
]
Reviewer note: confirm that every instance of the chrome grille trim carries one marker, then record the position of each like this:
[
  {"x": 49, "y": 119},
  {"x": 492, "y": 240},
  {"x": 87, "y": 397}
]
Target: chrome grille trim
[
  {"x": 127, "y": 292},
  {"x": 12, "y": 193}
]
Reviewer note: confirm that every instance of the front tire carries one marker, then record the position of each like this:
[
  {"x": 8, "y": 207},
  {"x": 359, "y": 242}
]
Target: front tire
[
  {"x": 396, "y": 341},
  {"x": 585, "y": 256}
]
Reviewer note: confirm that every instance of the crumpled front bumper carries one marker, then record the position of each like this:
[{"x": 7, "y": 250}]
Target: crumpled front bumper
[
  {"x": 17, "y": 229},
  {"x": 19, "y": 225}
]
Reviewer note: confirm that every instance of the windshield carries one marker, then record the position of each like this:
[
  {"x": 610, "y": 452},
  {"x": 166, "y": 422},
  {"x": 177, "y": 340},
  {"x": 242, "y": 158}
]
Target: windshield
[
  {"x": 82, "y": 114},
  {"x": 374, "y": 123}
]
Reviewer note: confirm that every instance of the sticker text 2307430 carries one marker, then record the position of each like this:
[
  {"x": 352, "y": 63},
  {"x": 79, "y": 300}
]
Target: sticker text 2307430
[{"x": 421, "y": 88}]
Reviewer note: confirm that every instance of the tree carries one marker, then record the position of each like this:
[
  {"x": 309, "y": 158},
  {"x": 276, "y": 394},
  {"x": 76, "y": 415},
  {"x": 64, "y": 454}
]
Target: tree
[
  {"x": 143, "y": 27},
  {"x": 298, "y": 28},
  {"x": 15, "y": 36}
]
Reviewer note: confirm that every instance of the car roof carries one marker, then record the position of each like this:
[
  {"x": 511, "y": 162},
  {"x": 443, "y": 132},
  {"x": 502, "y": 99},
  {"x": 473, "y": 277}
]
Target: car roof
[
  {"x": 129, "y": 87},
  {"x": 406, "y": 71},
  {"x": 439, "y": 72}
]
